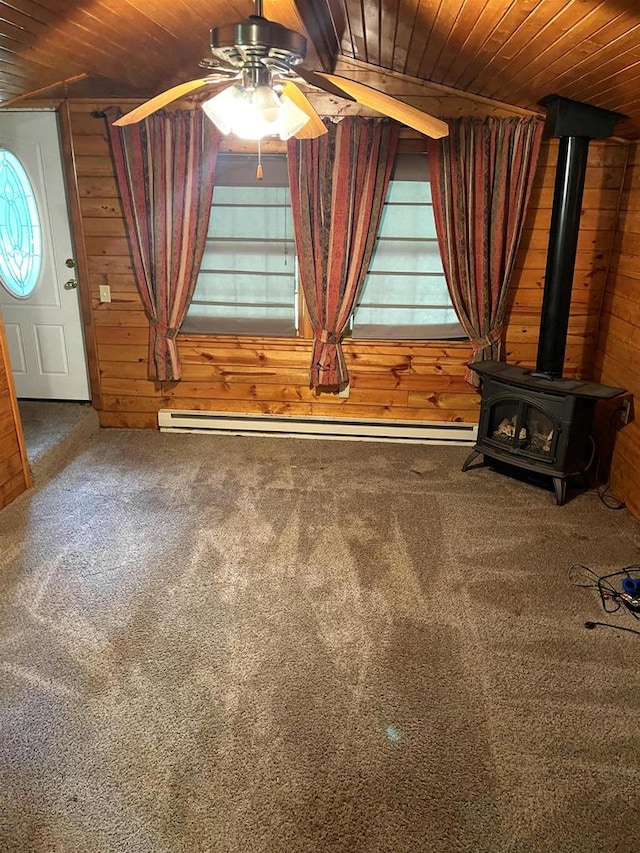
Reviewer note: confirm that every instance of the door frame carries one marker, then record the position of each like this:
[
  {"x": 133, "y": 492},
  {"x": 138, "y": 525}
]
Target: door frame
[{"x": 80, "y": 250}]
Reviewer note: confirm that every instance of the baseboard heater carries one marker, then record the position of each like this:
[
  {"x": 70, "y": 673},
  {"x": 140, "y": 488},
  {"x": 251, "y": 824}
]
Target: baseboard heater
[{"x": 418, "y": 432}]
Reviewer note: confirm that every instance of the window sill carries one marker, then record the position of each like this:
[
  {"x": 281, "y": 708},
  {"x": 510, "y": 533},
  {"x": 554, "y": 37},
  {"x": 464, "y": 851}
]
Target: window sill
[
  {"x": 441, "y": 332},
  {"x": 249, "y": 340},
  {"x": 275, "y": 341}
]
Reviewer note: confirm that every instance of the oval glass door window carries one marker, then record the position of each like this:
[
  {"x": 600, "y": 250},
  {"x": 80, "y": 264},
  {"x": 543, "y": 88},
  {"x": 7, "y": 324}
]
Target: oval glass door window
[{"x": 20, "y": 232}]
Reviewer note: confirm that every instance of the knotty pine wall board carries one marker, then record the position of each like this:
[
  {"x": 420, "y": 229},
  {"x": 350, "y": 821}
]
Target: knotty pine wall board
[
  {"x": 617, "y": 358},
  {"x": 15, "y": 476}
]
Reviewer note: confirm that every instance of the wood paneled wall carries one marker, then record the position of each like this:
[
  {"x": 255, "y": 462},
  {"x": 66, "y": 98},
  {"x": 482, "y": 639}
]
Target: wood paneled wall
[
  {"x": 415, "y": 380},
  {"x": 15, "y": 476},
  {"x": 617, "y": 359},
  {"x": 601, "y": 200}
]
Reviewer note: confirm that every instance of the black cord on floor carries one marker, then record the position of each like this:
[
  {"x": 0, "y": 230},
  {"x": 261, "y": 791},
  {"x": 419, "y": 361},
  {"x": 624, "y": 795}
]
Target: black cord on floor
[
  {"x": 611, "y": 597},
  {"x": 591, "y": 625},
  {"x": 604, "y": 492}
]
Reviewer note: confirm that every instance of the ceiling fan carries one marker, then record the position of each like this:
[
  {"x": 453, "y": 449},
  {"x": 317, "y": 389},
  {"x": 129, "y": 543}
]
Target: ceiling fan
[{"x": 260, "y": 63}]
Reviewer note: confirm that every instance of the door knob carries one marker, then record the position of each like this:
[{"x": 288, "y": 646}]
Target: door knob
[
  {"x": 70, "y": 263},
  {"x": 71, "y": 284}
]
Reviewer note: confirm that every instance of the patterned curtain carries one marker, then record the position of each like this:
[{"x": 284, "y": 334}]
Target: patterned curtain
[
  {"x": 481, "y": 179},
  {"x": 164, "y": 168},
  {"x": 338, "y": 185}
]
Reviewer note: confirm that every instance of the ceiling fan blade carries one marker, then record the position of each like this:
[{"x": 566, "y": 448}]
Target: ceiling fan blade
[
  {"x": 313, "y": 128},
  {"x": 319, "y": 82},
  {"x": 389, "y": 106},
  {"x": 162, "y": 100},
  {"x": 43, "y": 89}
]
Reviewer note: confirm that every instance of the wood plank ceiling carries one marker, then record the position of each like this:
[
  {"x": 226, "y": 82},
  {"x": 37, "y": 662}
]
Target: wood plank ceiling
[{"x": 515, "y": 51}]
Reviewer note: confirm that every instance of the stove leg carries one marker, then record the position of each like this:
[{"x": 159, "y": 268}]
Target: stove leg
[
  {"x": 560, "y": 486},
  {"x": 470, "y": 458}
]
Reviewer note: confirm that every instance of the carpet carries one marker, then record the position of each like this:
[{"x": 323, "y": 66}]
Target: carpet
[
  {"x": 52, "y": 431},
  {"x": 231, "y": 644}
]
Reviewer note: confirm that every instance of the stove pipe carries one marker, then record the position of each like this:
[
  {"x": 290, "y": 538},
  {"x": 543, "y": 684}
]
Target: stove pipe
[{"x": 575, "y": 124}]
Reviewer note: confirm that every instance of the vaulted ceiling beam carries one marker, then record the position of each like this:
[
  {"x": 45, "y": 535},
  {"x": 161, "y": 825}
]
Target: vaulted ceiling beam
[{"x": 324, "y": 24}]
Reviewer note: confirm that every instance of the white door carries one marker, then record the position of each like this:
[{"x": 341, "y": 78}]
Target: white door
[{"x": 38, "y": 289}]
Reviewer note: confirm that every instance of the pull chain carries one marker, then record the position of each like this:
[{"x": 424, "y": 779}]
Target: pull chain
[{"x": 259, "y": 173}]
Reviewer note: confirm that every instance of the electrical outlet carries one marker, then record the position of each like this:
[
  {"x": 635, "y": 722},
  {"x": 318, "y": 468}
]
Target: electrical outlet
[{"x": 105, "y": 293}]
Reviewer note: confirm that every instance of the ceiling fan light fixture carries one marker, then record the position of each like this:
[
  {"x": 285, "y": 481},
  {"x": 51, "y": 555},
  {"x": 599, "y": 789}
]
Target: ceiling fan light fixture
[{"x": 254, "y": 114}]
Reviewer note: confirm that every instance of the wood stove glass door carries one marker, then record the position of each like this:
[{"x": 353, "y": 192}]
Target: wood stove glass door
[
  {"x": 504, "y": 415},
  {"x": 538, "y": 432},
  {"x": 522, "y": 428}
]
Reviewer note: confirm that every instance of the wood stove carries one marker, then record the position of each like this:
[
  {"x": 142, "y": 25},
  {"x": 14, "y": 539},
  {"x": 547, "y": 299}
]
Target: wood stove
[
  {"x": 535, "y": 420},
  {"x": 537, "y": 424}
]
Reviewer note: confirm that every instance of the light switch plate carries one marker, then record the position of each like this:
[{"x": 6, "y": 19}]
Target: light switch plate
[{"x": 105, "y": 293}]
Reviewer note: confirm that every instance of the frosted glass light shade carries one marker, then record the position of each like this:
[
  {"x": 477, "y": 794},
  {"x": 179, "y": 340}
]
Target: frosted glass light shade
[
  {"x": 292, "y": 118},
  {"x": 266, "y": 102},
  {"x": 256, "y": 114},
  {"x": 220, "y": 109}
]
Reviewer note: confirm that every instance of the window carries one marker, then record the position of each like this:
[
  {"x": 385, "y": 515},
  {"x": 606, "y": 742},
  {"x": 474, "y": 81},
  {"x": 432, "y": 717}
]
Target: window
[
  {"x": 20, "y": 233},
  {"x": 405, "y": 294},
  {"x": 247, "y": 283}
]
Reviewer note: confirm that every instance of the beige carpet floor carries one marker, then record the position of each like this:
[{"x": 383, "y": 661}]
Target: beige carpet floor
[
  {"x": 53, "y": 430},
  {"x": 274, "y": 645}
]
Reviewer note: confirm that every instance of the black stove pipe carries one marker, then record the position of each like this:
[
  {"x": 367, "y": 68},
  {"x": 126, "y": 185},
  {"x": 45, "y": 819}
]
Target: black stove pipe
[
  {"x": 575, "y": 124},
  {"x": 573, "y": 152}
]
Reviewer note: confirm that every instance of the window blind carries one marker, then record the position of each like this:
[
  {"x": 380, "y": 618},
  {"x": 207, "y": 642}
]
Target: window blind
[
  {"x": 247, "y": 282},
  {"x": 405, "y": 294}
]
